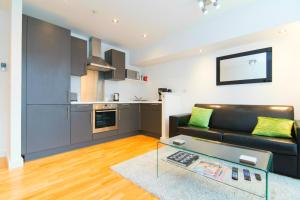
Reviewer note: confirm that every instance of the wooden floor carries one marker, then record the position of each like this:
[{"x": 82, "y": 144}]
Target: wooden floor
[{"x": 81, "y": 174}]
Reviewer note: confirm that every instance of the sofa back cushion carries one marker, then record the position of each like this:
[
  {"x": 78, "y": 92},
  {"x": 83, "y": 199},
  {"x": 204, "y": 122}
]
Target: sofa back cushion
[{"x": 244, "y": 117}]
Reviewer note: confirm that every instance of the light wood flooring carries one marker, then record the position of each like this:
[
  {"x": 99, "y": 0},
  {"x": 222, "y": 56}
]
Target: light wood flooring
[{"x": 80, "y": 174}]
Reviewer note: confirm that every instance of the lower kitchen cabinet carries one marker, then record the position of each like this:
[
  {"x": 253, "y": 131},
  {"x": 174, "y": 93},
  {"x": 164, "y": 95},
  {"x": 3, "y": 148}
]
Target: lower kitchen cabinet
[
  {"x": 129, "y": 118},
  {"x": 106, "y": 135},
  {"x": 151, "y": 119},
  {"x": 51, "y": 129},
  {"x": 81, "y": 123},
  {"x": 48, "y": 127}
]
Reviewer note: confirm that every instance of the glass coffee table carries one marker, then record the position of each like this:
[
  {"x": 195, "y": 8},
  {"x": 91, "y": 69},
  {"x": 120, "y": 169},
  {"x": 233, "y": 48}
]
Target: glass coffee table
[{"x": 215, "y": 161}]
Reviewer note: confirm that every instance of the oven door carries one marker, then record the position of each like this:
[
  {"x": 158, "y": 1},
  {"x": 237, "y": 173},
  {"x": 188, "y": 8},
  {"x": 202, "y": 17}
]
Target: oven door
[{"x": 104, "y": 120}]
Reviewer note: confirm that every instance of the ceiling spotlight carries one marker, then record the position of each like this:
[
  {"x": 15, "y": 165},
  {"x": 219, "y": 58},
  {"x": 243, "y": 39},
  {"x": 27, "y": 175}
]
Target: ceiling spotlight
[
  {"x": 145, "y": 35},
  {"x": 201, "y": 3},
  {"x": 204, "y": 3},
  {"x": 216, "y": 4},
  {"x": 115, "y": 20},
  {"x": 200, "y": 50},
  {"x": 204, "y": 10}
]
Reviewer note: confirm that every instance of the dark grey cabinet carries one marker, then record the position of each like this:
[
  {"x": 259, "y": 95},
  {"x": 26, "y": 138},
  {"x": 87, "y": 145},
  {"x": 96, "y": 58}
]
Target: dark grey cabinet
[
  {"x": 48, "y": 127},
  {"x": 151, "y": 119},
  {"x": 117, "y": 60},
  {"x": 48, "y": 63},
  {"x": 106, "y": 135},
  {"x": 124, "y": 118},
  {"x": 81, "y": 123},
  {"x": 46, "y": 69},
  {"x": 129, "y": 118},
  {"x": 78, "y": 56},
  {"x": 135, "y": 116}
]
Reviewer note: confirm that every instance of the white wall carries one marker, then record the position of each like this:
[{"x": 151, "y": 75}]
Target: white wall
[
  {"x": 10, "y": 81},
  {"x": 4, "y": 76},
  {"x": 14, "y": 149},
  {"x": 254, "y": 17},
  {"x": 194, "y": 78}
]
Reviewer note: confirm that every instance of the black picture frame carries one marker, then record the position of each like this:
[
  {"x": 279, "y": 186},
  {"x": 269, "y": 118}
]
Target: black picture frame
[{"x": 268, "y": 52}]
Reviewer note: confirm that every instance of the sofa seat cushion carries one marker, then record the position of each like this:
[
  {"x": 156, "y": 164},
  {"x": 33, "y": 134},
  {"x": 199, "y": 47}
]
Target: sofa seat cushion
[
  {"x": 205, "y": 133},
  {"x": 287, "y": 146}
]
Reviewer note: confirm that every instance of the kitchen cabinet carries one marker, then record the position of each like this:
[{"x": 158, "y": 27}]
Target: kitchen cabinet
[
  {"x": 81, "y": 123},
  {"x": 151, "y": 119},
  {"x": 48, "y": 63},
  {"x": 48, "y": 127},
  {"x": 106, "y": 135},
  {"x": 129, "y": 118},
  {"x": 78, "y": 57},
  {"x": 135, "y": 116},
  {"x": 116, "y": 59}
]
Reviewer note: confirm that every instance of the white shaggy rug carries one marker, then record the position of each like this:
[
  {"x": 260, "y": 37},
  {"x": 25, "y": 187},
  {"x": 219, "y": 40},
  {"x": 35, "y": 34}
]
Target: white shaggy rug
[{"x": 175, "y": 183}]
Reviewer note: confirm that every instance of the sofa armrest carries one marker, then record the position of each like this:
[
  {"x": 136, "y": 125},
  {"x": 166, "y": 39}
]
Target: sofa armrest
[
  {"x": 297, "y": 131},
  {"x": 177, "y": 120}
]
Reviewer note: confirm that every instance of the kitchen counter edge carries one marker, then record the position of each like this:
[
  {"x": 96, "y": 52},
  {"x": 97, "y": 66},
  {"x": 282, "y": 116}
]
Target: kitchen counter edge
[{"x": 115, "y": 102}]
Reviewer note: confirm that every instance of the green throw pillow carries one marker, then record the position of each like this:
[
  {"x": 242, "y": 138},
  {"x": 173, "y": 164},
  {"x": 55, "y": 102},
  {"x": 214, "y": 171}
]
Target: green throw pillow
[
  {"x": 274, "y": 127},
  {"x": 200, "y": 117}
]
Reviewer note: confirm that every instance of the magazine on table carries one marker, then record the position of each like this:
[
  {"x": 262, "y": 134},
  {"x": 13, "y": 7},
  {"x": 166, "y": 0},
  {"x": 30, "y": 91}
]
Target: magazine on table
[{"x": 213, "y": 170}]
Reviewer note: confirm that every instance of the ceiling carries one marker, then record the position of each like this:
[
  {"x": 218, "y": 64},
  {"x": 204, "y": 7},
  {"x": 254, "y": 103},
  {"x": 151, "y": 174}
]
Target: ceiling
[{"x": 156, "y": 18}]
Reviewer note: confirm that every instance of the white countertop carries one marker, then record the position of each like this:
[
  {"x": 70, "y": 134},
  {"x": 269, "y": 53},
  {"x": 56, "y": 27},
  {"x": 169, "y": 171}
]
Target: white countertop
[{"x": 107, "y": 102}]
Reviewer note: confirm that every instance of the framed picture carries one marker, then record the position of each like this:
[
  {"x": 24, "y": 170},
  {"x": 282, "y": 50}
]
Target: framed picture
[{"x": 246, "y": 67}]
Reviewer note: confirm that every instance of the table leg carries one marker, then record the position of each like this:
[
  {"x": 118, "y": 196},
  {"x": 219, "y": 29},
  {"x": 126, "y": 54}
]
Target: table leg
[
  {"x": 267, "y": 191},
  {"x": 157, "y": 160}
]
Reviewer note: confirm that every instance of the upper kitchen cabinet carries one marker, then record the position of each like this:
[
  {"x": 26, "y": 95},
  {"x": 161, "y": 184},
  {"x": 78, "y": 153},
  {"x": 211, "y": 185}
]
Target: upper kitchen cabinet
[
  {"x": 48, "y": 63},
  {"x": 78, "y": 56},
  {"x": 117, "y": 60}
]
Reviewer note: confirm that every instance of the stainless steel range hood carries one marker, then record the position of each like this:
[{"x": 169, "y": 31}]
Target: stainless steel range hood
[{"x": 95, "y": 62}]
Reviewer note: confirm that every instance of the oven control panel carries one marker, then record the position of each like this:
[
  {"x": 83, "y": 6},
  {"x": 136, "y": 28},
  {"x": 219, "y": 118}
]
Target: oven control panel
[{"x": 105, "y": 106}]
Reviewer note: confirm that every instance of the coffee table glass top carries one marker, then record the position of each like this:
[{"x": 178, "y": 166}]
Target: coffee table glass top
[
  {"x": 215, "y": 161},
  {"x": 222, "y": 151}
]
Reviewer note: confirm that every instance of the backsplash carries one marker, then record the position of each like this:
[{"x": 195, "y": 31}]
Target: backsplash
[
  {"x": 75, "y": 85},
  {"x": 127, "y": 88}
]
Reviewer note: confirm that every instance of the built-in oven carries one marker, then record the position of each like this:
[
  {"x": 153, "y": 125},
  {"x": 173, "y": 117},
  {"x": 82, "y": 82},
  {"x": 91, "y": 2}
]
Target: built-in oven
[{"x": 105, "y": 117}]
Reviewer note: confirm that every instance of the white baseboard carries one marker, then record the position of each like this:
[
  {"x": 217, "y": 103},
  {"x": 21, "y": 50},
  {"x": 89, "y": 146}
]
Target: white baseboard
[{"x": 13, "y": 164}]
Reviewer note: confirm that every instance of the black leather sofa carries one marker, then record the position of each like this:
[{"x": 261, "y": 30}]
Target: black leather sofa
[{"x": 234, "y": 124}]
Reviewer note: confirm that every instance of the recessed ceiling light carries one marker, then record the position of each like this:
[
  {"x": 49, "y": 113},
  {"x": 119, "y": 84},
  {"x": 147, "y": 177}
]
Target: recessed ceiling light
[
  {"x": 115, "y": 20},
  {"x": 217, "y": 5},
  {"x": 145, "y": 35},
  {"x": 200, "y": 50},
  {"x": 204, "y": 11}
]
